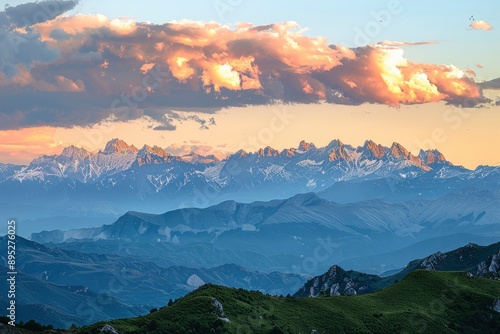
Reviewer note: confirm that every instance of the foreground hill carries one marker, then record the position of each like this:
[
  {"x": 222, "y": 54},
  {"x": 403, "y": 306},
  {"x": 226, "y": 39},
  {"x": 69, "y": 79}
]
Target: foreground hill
[
  {"x": 425, "y": 301},
  {"x": 482, "y": 261}
]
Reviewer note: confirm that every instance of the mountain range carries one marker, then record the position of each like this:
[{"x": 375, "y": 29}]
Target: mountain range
[
  {"x": 93, "y": 188},
  {"x": 267, "y": 221},
  {"x": 301, "y": 234}
]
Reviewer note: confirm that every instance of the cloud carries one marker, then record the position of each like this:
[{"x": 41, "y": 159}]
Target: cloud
[
  {"x": 400, "y": 44},
  {"x": 28, "y": 14},
  {"x": 382, "y": 75},
  {"x": 199, "y": 148},
  {"x": 167, "y": 118},
  {"x": 82, "y": 69},
  {"x": 470, "y": 72},
  {"x": 21, "y": 46},
  {"x": 480, "y": 25}
]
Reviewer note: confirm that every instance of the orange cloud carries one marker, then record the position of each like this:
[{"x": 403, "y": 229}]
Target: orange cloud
[
  {"x": 214, "y": 55},
  {"x": 381, "y": 74},
  {"x": 197, "y": 64},
  {"x": 480, "y": 25},
  {"x": 470, "y": 72}
]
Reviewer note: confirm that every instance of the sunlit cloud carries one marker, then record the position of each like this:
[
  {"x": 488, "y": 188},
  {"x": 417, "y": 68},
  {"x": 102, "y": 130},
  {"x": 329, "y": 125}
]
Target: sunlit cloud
[
  {"x": 400, "y": 43},
  {"x": 84, "y": 69},
  {"x": 480, "y": 25},
  {"x": 470, "y": 72}
]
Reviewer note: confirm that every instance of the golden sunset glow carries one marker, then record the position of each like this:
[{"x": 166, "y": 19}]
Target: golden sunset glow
[
  {"x": 22, "y": 146},
  {"x": 220, "y": 166},
  {"x": 149, "y": 78}
]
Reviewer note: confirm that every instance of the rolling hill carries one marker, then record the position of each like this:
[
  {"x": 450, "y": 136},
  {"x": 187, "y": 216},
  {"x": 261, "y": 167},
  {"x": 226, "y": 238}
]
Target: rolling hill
[{"x": 425, "y": 301}]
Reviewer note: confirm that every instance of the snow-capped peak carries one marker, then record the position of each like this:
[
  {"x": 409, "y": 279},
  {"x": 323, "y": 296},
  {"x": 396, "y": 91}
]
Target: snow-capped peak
[
  {"x": 432, "y": 157},
  {"x": 119, "y": 146},
  {"x": 152, "y": 155},
  {"x": 74, "y": 152},
  {"x": 338, "y": 151}
]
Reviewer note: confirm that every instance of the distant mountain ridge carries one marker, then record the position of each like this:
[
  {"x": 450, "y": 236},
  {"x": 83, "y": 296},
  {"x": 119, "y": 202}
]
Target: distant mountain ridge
[
  {"x": 79, "y": 164},
  {"x": 101, "y": 186},
  {"x": 279, "y": 235},
  {"x": 122, "y": 177}
]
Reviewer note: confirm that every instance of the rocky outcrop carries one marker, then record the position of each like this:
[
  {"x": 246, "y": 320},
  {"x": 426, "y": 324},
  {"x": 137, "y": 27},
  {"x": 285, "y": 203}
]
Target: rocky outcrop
[
  {"x": 338, "y": 282},
  {"x": 108, "y": 329}
]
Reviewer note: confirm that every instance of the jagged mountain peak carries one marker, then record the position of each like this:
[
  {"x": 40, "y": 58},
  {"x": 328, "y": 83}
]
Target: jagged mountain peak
[
  {"x": 289, "y": 152},
  {"x": 319, "y": 167},
  {"x": 119, "y": 146},
  {"x": 334, "y": 270},
  {"x": 336, "y": 281},
  {"x": 373, "y": 149},
  {"x": 75, "y": 152},
  {"x": 399, "y": 151},
  {"x": 155, "y": 150},
  {"x": 335, "y": 143},
  {"x": 152, "y": 155},
  {"x": 267, "y": 152},
  {"x": 432, "y": 157},
  {"x": 338, "y": 151},
  {"x": 305, "y": 146},
  {"x": 240, "y": 153}
]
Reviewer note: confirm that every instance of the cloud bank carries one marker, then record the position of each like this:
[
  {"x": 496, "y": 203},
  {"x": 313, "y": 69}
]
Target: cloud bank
[{"x": 79, "y": 70}]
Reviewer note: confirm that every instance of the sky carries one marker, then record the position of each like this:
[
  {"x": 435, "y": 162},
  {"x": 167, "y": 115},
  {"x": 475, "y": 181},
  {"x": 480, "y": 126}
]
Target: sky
[{"x": 215, "y": 76}]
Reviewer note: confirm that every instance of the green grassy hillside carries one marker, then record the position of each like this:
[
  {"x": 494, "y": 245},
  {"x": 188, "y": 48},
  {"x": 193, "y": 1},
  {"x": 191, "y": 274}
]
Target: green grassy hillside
[{"x": 423, "y": 302}]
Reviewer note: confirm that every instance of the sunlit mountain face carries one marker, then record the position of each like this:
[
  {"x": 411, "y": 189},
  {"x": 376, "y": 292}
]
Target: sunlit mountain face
[{"x": 176, "y": 168}]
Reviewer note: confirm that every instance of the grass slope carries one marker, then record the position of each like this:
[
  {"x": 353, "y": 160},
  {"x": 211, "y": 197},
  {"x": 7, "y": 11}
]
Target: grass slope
[{"x": 423, "y": 302}]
